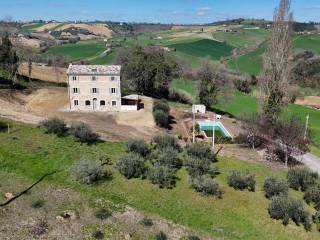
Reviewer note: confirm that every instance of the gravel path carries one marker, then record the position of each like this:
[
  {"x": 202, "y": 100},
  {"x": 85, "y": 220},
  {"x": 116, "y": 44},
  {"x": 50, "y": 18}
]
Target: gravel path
[{"x": 311, "y": 161}]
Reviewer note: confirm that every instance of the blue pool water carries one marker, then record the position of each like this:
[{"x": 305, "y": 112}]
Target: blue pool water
[{"x": 209, "y": 125}]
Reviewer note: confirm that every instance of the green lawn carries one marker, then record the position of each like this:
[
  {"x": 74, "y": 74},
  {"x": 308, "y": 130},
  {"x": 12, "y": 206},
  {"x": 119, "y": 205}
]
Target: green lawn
[
  {"x": 238, "y": 215},
  {"x": 250, "y": 63},
  {"x": 310, "y": 42},
  {"x": 187, "y": 86},
  {"x": 204, "y": 48},
  {"x": 78, "y": 51}
]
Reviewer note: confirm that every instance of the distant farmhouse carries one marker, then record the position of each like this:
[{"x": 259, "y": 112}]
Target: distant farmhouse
[{"x": 98, "y": 88}]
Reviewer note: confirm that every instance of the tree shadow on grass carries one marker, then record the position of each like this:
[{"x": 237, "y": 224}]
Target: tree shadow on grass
[{"x": 221, "y": 112}]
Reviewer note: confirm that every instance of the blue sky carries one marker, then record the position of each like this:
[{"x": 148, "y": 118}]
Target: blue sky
[{"x": 165, "y": 11}]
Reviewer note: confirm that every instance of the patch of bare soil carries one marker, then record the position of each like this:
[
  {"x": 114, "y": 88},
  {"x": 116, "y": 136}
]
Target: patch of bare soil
[
  {"x": 142, "y": 119},
  {"x": 44, "y": 73},
  {"x": 96, "y": 29},
  {"x": 309, "y": 100},
  {"x": 26, "y": 42},
  {"x": 53, "y": 102},
  {"x": 71, "y": 215},
  {"x": 247, "y": 154}
]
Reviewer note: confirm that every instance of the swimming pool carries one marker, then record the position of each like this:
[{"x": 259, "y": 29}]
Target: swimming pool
[{"x": 209, "y": 125}]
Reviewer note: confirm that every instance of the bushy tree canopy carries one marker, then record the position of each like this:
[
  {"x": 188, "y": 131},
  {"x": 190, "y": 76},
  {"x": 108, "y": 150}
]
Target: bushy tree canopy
[{"x": 147, "y": 70}]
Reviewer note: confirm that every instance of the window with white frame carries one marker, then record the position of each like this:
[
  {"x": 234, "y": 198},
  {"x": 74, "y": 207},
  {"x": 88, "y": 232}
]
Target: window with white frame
[
  {"x": 113, "y": 90},
  {"x": 74, "y": 78},
  {"x": 113, "y": 78},
  {"x": 76, "y": 102},
  {"x": 88, "y": 103},
  {"x": 102, "y": 103},
  {"x": 94, "y": 78},
  {"x": 76, "y": 90},
  {"x": 114, "y": 103},
  {"x": 94, "y": 90}
]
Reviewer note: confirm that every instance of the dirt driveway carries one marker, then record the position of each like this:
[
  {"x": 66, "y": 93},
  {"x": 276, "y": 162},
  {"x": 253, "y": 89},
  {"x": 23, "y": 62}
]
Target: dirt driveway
[{"x": 50, "y": 102}]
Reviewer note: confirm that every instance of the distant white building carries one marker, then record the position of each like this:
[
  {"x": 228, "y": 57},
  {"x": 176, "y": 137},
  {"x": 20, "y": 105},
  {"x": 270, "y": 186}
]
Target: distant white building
[{"x": 94, "y": 87}]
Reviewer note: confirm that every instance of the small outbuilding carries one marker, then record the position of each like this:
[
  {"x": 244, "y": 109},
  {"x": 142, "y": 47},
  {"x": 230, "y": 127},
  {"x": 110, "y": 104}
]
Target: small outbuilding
[{"x": 199, "y": 108}]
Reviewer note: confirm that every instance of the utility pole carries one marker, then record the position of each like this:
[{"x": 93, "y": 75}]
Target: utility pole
[
  {"x": 213, "y": 130},
  {"x": 193, "y": 124},
  {"x": 306, "y": 128}
]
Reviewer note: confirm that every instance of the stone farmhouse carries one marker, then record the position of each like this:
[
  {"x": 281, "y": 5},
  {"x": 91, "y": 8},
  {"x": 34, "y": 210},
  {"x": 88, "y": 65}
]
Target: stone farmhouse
[{"x": 98, "y": 88}]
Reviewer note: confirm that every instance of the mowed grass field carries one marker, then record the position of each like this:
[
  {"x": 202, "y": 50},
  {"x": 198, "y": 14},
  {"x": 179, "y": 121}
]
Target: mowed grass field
[
  {"x": 309, "y": 42},
  {"x": 238, "y": 215},
  {"x": 204, "y": 48},
  {"x": 78, "y": 51},
  {"x": 250, "y": 63}
]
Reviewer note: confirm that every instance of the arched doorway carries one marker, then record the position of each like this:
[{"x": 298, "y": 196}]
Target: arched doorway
[{"x": 94, "y": 104}]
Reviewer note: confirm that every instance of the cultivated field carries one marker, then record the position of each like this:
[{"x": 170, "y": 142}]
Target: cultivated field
[
  {"x": 79, "y": 51},
  {"x": 204, "y": 48}
]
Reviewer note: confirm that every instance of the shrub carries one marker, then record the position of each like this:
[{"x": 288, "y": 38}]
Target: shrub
[
  {"x": 161, "y": 111},
  {"x": 54, "y": 126},
  {"x": 40, "y": 227},
  {"x": 165, "y": 141},
  {"x": 138, "y": 146},
  {"x": 162, "y": 176},
  {"x": 179, "y": 97},
  {"x": 131, "y": 165},
  {"x": 161, "y": 105},
  {"x": 200, "y": 166},
  {"x": 146, "y": 222},
  {"x": 98, "y": 234},
  {"x": 316, "y": 219},
  {"x": 38, "y": 204},
  {"x": 285, "y": 208},
  {"x": 243, "y": 85},
  {"x": 241, "y": 180},
  {"x": 87, "y": 172},
  {"x": 161, "y": 118},
  {"x": 168, "y": 157},
  {"x": 206, "y": 186},
  {"x": 240, "y": 139},
  {"x": 3, "y": 126},
  {"x": 83, "y": 132},
  {"x": 103, "y": 214},
  {"x": 161, "y": 236},
  {"x": 274, "y": 186},
  {"x": 301, "y": 178},
  {"x": 200, "y": 150},
  {"x": 192, "y": 237},
  {"x": 312, "y": 195}
]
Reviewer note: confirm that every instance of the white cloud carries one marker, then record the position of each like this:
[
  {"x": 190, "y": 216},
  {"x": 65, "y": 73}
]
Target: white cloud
[
  {"x": 203, "y": 9},
  {"x": 201, "y": 13}
]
